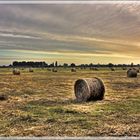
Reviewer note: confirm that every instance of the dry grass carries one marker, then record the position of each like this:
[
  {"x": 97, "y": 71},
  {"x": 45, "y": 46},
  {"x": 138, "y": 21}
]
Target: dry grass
[{"x": 43, "y": 104}]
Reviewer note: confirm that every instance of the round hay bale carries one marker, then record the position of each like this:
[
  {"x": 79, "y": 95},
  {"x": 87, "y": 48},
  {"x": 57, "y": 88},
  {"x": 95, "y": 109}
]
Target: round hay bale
[
  {"x": 124, "y": 68},
  {"x": 16, "y": 72},
  {"x": 82, "y": 68},
  {"x": 31, "y": 70},
  {"x": 73, "y": 70},
  {"x": 89, "y": 89},
  {"x": 131, "y": 73},
  {"x": 3, "y": 97},
  {"x": 54, "y": 70},
  {"x": 112, "y": 69},
  {"x": 48, "y": 69},
  {"x": 96, "y": 69}
]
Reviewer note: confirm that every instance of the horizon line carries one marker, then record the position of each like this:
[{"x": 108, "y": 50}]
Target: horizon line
[{"x": 61, "y": 64}]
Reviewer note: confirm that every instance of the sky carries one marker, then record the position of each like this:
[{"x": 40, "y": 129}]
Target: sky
[{"x": 88, "y": 33}]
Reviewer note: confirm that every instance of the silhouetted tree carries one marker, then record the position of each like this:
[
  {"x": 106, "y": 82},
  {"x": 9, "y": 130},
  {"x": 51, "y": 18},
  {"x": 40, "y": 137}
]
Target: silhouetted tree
[
  {"x": 90, "y": 65},
  {"x": 56, "y": 64},
  {"x": 72, "y": 65},
  {"x": 51, "y": 65},
  {"x": 110, "y": 65},
  {"x": 132, "y": 64},
  {"x": 29, "y": 64},
  {"x": 65, "y": 65},
  {"x": 15, "y": 63}
]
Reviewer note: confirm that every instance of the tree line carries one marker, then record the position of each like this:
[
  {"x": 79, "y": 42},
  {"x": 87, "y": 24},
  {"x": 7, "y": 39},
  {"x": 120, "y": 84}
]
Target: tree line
[{"x": 43, "y": 64}]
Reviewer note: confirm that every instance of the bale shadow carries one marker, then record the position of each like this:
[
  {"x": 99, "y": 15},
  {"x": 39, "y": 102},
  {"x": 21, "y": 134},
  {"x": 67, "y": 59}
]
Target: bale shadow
[{"x": 50, "y": 103}]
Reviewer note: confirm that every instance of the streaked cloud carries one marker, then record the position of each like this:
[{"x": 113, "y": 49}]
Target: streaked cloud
[
  {"x": 63, "y": 32},
  {"x": 17, "y": 36}
]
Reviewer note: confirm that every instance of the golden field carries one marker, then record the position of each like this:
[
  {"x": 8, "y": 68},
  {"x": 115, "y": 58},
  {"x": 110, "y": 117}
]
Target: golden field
[{"x": 43, "y": 103}]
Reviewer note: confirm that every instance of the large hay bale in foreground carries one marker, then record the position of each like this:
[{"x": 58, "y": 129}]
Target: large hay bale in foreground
[
  {"x": 132, "y": 73},
  {"x": 73, "y": 70},
  {"x": 16, "y": 72},
  {"x": 89, "y": 89}
]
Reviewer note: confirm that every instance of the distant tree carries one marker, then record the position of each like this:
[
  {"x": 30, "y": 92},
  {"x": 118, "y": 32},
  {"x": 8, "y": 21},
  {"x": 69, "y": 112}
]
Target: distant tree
[
  {"x": 110, "y": 65},
  {"x": 132, "y": 64},
  {"x": 65, "y": 65},
  {"x": 23, "y": 63},
  {"x": 51, "y": 65},
  {"x": 29, "y": 64},
  {"x": 44, "y": 64},
  {"x": 15, "y": 63},
  {"x": 98, "y": 65},
  {"x": 10, "y": 66},
  {"x": 90, "y": 65},
  {"x": 56, "y": 64},
  {"x": 72, "y": 65}
]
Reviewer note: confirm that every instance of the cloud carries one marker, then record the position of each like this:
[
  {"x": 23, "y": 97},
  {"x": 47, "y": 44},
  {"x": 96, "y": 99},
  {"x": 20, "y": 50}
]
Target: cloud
[
  {"x": 71, "y": 30},
  {"x": 18, "y": 36}
]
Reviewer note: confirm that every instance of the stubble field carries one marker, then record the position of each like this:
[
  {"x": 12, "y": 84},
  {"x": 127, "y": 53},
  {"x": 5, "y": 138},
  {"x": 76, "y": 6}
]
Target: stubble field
[{"x": 43, "y": 103}]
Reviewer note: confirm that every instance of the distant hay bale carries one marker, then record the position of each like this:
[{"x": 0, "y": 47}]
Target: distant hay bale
[
  {"x": 48, "y": 69},
  {"x": 16, "y": 72},
  {"x": 89, "y": 89},
  {"x": 82, "y": 68},
  {"x": 131, "y": 73},
  {"x": 112, "y": 69},
  {"x": 54, "y": 70},
  {"x": 96, "y": 69},
  {"x": 3, "y": 97},
  {"x": 124, "y": 68},
  {"x": 93, "y": 68},
  {"x": 31, "y": 70},
  {"x": 73, "y": 70}
]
